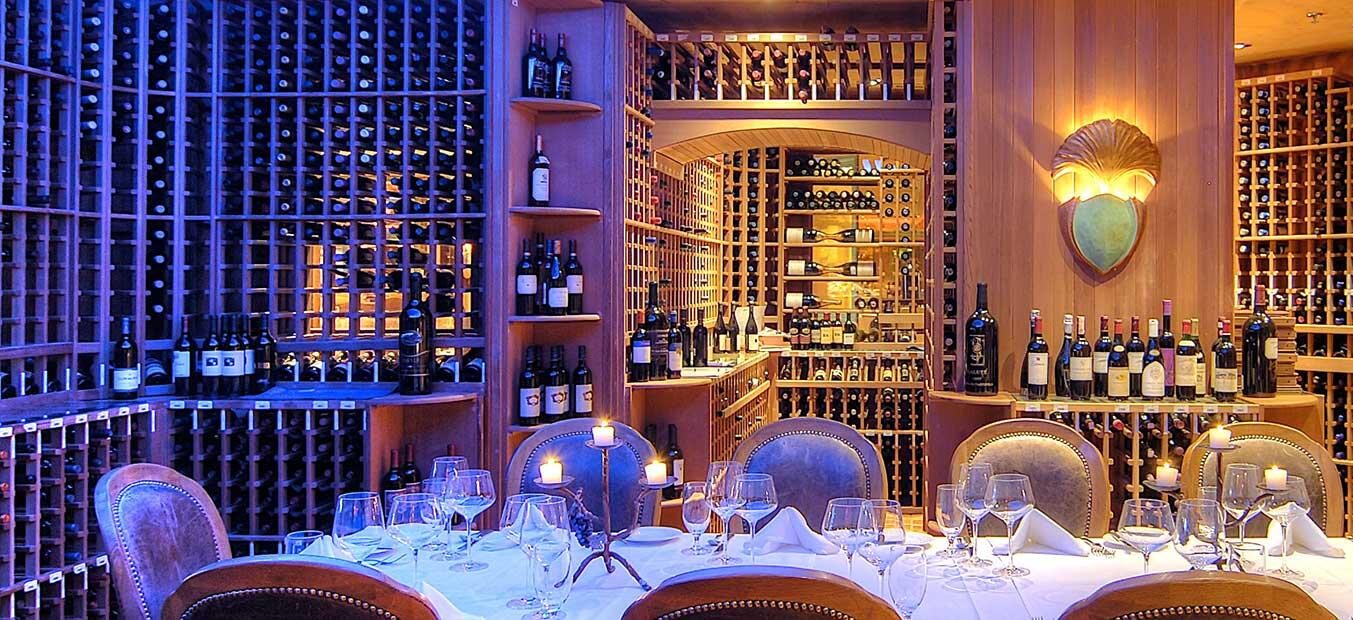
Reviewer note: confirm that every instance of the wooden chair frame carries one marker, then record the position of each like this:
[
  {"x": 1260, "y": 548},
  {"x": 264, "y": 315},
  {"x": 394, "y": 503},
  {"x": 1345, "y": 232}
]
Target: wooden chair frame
[
  {"x": 763, "y": 589},
  {"x": 1095, "y": 469},
  {"x": 1198, "y": 594}
]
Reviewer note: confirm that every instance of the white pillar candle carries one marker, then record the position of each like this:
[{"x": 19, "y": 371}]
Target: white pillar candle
[
  {"x": 603, "y": 435},
  {"x": 551, "y": 472},
  {"x": 1166, "y": 475},
  {"x": 1275, "y": 478},
  {"x": 1219, "y": 437},
  {"x": 656, "y": 472}
]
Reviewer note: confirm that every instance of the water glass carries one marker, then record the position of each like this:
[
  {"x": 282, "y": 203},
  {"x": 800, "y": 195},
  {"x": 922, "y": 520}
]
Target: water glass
[
  {"x": 906, "y": 581},
  {"x": 415, "y": 520},
  {"x": 296, "y": 542},
  {"x": 1284, "y": 505},
  {"x": 359, "y": 523},
  {"x": 471, "y": 493},
  {"x": 949, "y": 516},
  {"x": 442, "y": 466},
  {"x": 1198, "y": 529},
  {"x": 721, "y": 486},
  {"x": 972, "y": 500},
  {"x": 1240, "y": 493},
  {"x": 1145, "y": 525},
  {"x": 440, "y": 490},
  {"x": 849, "y": 523},
  {"x": 511, "y": 523},
  {"x": 1010, "y": 497},
  {"x": 1249, "y": 557},
  {"x": 695, "y": 513},
  {"x": 551, "y": 578},
  {"x": 757, "y": 499}
]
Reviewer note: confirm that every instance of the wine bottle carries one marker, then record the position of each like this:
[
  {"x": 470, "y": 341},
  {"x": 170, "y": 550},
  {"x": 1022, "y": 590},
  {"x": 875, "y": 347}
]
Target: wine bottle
[
  {"x": 1259, "y": 349},
  {"x": 1119, "y": 386},
  {"x": 184, "y": 353},
  {"x": 1036, "y": 360},
  {"x": 530, "y": 392},
  {"x": 1100, "y": 359},
  {"x": 1082, "y": 364},
  {"x": 1167, "y": 345},
  {"x": 526, "y": 282},
  {"x": 557, "y": 293},
  {"x": 981, "y": 348},
  {"x": 1186, "y": 366},
  {"x": 656, "y": 323},
  {"x": 809, "y": 300},
  {"x": 540, "y": 175},
  {"x": 415, "y": 341},
  {"x": 394, "y": 477},
  {"x": 848, "y": 333},
  {"x": 810, "y": 268},
  {"x": 1136, "y": 350},
  {"x": 1224, "y": 373},
  {"x": 265, "y": 355},
  {"x": 1153, "y": 364},
  {"x": 556, "y": 391},
  {"x": 722, "y": 340},
  {"x": 573, "y": 276},
  {"x": 676, "y": 462},
  {"x": 232, "y": 358},
  {"x": 411, "y": 476},
  {"x": 582, "y": 386},
  {"x": 641, "y": 352},
  {"x": 533, "y": 80},
  {"x": 700, "y": 341},
  {"x": 211, "y": 360},
  {"x": 1200, "y": 374},
  {"x": 1062, "y": 372},
  {"x": 751, "y": 333},
  {"x": 247, "y": 349},
  {"x": 562, "y": 72},
  {"x": 684, "y": 333},
  {"x": 125, "y": 363},
  {"x": 674, "y": 358}
]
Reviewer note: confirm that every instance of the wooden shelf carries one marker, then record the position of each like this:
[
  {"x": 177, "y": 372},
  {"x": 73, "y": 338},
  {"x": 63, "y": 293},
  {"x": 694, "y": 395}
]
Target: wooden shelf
[
  {"x": 828, "y": 383},
  {"x": 833, "y": 278},
  {"x": 1324, "y": 364},
  {"x": 887, "y": 108},
  {"x": 858, "y": 351},
  {"x": 654, "y": 228},
  {"x": 1295, "y": 238},
  {"x": 863, "y": 212},
  {"x": 523, "y": 211},
  {"x": 876, "y": 244},
  {"x": 565, "y": 5},
  {"x": 1310, "y": 328},
  {"x": 1206, "y": 405},
  {"x": 668, "y": 384},
  {"x": 545, "y": 318},
  {"x": 556, "y": 106},
  {"x": 861, "y": 180},
  {"x": 639, "y": 115},
  {"x": 1000, "y": 399},
  {"x": 1294, "y": 149}
]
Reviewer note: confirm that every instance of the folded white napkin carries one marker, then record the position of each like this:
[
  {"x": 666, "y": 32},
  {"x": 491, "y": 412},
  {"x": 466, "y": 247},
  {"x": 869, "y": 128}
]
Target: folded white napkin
[
  {"x": 325, "y": 547},
  {"x": 789, "y": 529},
  {"x": 1038, "y": 533},
  {"x": 1305, "y": 534},
  {"x": 440, "y": 604}
]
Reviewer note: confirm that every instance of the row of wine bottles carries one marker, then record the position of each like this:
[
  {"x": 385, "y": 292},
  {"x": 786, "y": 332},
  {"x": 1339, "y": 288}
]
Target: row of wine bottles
[
  {"x": 885, "y": 409},
  {"x": 547, "y": 284},
  {"x": 819, "y": 200},
  {"x": 821, "y": 331},
  {"x": 549, "y": 394},
  {"x": 835, "y": 167},
  {"x": 545, "y": 77}
]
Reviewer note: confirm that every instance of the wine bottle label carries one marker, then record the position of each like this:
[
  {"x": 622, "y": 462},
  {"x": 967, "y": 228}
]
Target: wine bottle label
[
  {"x": 723, "y": 342},
  {"x": 673, "y": 360},
  {"x": 679, "y": 470},
  {"x": 526, "y": 285},
  {"x": 1038, "y": 368},
  {"x": 249, "y": 362},
  {"x": 1271, "y": 348},
  {"x": 753, "y": 342},
  {"x": 848, "y": 339},
  {"x": 863, "y": 235},
  {"x": 556, "y": 400},
  {"x": 977, "y": 352},
  {"x": 1200, "y": 375},
  {"x": 211, "y": 363},
  {"x": 540, "y": 185},
  {"x": 575, "y": 284},
  {"x": 126, "y": 379},
  {"x": 183, "y": 364},
  {"x": 1082, "y": 368},
  {"x": 1101, "y": 362},
  {"x": 1135, "y": 362},
  {"x": 793, "y": 300},
  {"x": 558, "y": 297},
  {"x": 1224, "y": 380},
  {"x": 794, "y": 235},
  {"x": 1153, "y": 379},
  {"x": 641, "y": 353},
  {"x": 1118, "y": 382},
  {"x": 1185, "y": 371},
  {"x": 528, "y": 402},
  {"x": 1167, "y": 355},
  {"x": 796, "y": 267},
  {"x": 864, "y": 269},
  {"x": 232, "y": 364},
  {"x": 582, "y": 398}
]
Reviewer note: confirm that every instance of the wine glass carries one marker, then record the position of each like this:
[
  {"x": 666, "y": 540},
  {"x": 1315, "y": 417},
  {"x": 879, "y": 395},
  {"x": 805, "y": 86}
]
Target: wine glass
[
  {"x": 471, "y": 494},
  {"x": 891, "y": 539},
  {"x": 414, "y": 521},
  {"x": 442, "y": 466},
  {"x": 514, "y": 519},
  {"x": 756, "y": 496},
  {"x": 695, "y": 513},
  {"x": 949, "y": 516},
  {"x": 1145, "y": 525},
  {"x": 1198, "y": 528},
  {"x": 906, "y": 583},
  {"x": 439, "y": 489},
  {"x": 1010, "y": 497},
  {"x": 298, "y": 541},
  {"x": 551, "y": 577},
  {"x": 849, "y": 523},
  {"x": 1240, "y": 492},
  {"x": 1282, "y": 506},
  {"x": 359, "y": 524},
  {"x": 972, "y": 500},
  {"x": 721, "y": 486}
]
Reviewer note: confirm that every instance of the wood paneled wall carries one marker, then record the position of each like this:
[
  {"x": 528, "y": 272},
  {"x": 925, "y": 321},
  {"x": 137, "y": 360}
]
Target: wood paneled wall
[{"x": 1035, "y": 71}]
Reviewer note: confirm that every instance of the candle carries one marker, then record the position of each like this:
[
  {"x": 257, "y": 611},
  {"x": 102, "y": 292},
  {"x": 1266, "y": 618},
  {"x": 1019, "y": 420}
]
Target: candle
[
  {"x": 1275, "y": 478},
  {"x": 551, "y": 472},
  {"x": 656, "y": 472},
  {"x": 603, "y": 435},
  {"x": 1219, "y": 437},
  {"x": 1166, "y": 476}
]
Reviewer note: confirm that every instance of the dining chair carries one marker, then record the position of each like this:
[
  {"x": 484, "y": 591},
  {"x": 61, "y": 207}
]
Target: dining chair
[
  {"x": 1267, "y": 444},
  {"x": 159, "y": 527},
  {"x": 812, "y": 461},
  {"x": 565, "y": 442},
  {"x": 1189, "y": 595},
  {"x": 1069, "y": 477},
  {"x": 759, "y": 592},
  {"x": 268, "y": 587}
]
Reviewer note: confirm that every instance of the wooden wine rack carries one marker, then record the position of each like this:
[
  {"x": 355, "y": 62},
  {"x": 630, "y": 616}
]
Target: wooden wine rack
[
  {"x": 753, "y": 198},
  {"x": 942, "y": 266},
  {"x": 1294, "y": 228}
]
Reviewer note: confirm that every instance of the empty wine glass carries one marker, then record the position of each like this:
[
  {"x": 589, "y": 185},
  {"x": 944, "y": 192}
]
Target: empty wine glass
[
  {"x": 514, "y": 519},
  {"x": 1240, "y": 492},
  {"x": 414, "y": 521},
  {"x": 721, "y": 486},
  {"x": 1010, "y": 497},
  {"x": 442, "y": 466},
  {"x": 551, "y": 577},
  {"x": 756, "y": 496},
  {"x": 972, "y": 500},
  {"x": 471, "y": 493},
  {"x": 1284, "y": 505},
  {"x": 949, "y": 516},
  {"x": 1198, "y": 528},
  {"x": 1145, "y": 525},
  {"x": 695, "y": 513},
  {"x": 359, "y": 524},
  {"x": 849, "y": 523},
  {"x": 907, "y": 577},
  {"x": 298, "y": 541},
  {"x": 881, "y": 554},
  {"x": 440, "y": 490}
]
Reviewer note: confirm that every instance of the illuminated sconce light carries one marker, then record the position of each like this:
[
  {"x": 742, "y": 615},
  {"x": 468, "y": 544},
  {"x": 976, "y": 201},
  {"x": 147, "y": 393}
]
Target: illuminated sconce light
[
  {"x": 1240, "y": 45},
  {"x": 1104, "y": 222}
]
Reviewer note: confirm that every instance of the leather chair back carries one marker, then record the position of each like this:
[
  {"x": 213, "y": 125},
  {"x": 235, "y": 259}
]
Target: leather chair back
[
  {"x": 566, "y": 442},
  {"x": 278, "y": 587},
  {"x": 159, "y": 527},
  {"x": 1069, "y": 477},
  {"x": 760, "y": 592},
  {"x": 814, "y": 460},
  {"x": 1266, "y": 444},
  {"x": 1198, "y": 594}
]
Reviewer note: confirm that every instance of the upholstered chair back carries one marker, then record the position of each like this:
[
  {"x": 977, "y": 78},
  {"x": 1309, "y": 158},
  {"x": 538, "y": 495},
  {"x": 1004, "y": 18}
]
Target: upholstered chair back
[
  {"x": 1199, "y": 594},
  {"x": 759, "y": 592}
]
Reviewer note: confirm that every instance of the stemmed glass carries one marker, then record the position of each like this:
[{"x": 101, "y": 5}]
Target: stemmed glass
[
  {"x": 359, "y": 524},
  {"x": 1145, "y": 525},
  {"x": 721, "y": 486},
  {"x": 1282, "y": 506},
  {"x": 1240, "y": 492},
  {"x": 972, "y": 500},
  {"x": 1010, "y": 497},
  {"x": 949, "y": 516},
  {"x": 514, "y": 522},
  {"x": 414, "y": 521},
  {"x": 471, "y": 494},
  {"x": 756, "y": 494},
  {"x": 695, "y": 513},
  {"x": 551, "y": 576},
  {"x": 849, "y": 523},
  {"x": 880, "y": 552},
  {"x": 1198, "y": 530},
  {"x": 907, "y": 579},
  {"x": 442, "y": 466},
  {"x": 440, "y": 490}
]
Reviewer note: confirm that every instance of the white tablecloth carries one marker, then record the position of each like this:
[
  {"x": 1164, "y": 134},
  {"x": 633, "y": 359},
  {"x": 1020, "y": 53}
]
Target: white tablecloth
[{"x": 1056, "y": 581}]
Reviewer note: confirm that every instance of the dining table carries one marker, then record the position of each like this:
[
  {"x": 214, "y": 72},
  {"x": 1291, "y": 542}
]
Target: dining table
[{"x": 1055, "y": 582}]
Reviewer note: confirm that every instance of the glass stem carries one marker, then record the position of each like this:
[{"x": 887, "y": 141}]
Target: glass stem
[
  {"x": 695, "y": 542},
  {"x": 416, "y": 582},
  {"x": 1146, "y": 562},
  {"x": 1009, "y": 546},
  {"x": 751, "y": 539},
  {"x": 972, "y": 545},
  {"x": 727, "y": 538},
  {"x": 1283, "y": 526},
  {"x": 469, "y": 531}
]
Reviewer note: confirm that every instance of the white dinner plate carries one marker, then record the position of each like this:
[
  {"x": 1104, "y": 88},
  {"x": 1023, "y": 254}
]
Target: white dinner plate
[{"x": 652, "y": 535}]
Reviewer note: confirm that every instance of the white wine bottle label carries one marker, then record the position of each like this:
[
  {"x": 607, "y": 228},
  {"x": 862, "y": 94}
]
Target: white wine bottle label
[
  {"x": 1038, "y": 369},
  {"x": 528, "y": 402},
  {"x": 582, "y": 398},
  {"x": 249, "y": 362},
  {"x": 1118, "y": 382},
  {"x": 794, "y": 235},
  {"x": 641, "y": 354},
  {"x": 556, "y": 400},
  {"x": 864, "y": 269},
  {"x": 232, "y": 364},
  {"x": 575, "y": 284},
  {"x": 1185, "y": 370},
  {"x": 1224, "y": 380},
  {"x": 1101, "y": 362},
  {"x": 796, "y": 267},
  {"x": 1135, "y": 363},
  {"x": 540, "y": 185},
  {"x": 679, "y": 470},
  {"x": 724, "y": 343},
  {"x": 1271, "y": 348},
  {"x": 1153, "y": 379},
  {"x": 183, "y": 364},
  {"x": 126, "y": 379},
  {"x": 753, "y": 342},
  {"x": 793, "y": 300},
  {"x": 1201, "y": 374},
  {"x": 1082, "y": 368},
  {"x": 673, "y": 360},
  {"x": 211, "y": 364},
  {"x": 526, "y": 285},
  {"x": 558, "y": 297},
  {"x": 848, "y": 339}
]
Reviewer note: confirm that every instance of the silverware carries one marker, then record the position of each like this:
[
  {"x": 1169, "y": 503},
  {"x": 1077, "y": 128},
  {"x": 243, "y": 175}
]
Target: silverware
[{"x": 1098, "y": 548}]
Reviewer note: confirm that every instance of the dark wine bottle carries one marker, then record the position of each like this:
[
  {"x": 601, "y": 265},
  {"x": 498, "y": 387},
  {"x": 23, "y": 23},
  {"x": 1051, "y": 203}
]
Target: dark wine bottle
[
  {"x": 1153, "y": 364},
  {"x": 1167, "y": 345},
  {"x": 1186, "y": 366},
  {"x": 1036, "y": 360},
  {"x": 211, "y": 360},
  {"x": 410, "y": 474},
  {"x": 722, "y": 339},
  {"x": 700, "y": 341},
  {"x": 674, "y": 342},
  {"x": 1259, "y": 349},
  {"x": 557, "y": 294},
  {"x": 540, "y": 175},
  {"x": 684, "y": 334},
  {"x": 1082, "y": 364},
  {"x": 1224, "y": 373},
  {"x": 232, "y": 358},
  {"x": 573, "y": 276},
  {"x": 185, "y": 350},
  {"x": 676, "y": 464},
  {"x": 1136, "y": 350},
  {"x": 1062, "y": 371},
  {"x": 526, "y": 282},
  {"x": 556, "y": 391},
  {"x": 1119, "y": 386},
  {"x": 562, "y": 72},
  {"x": 982, "y": 351},
  {"x": 641, "y": 352},
  {"x": 582, "y": 386},
  {"x": 265, "y": 355},
  {"x": 751, "y": 333},
  {"x": 415, "y": 342},
  {"x": 655, "y": 321},
  {"x": 249, "y": 354},
  {"x": 125, "y": 363},
  {"x": 530, "y": 392},
  {"x": 1100, "y": 359}
]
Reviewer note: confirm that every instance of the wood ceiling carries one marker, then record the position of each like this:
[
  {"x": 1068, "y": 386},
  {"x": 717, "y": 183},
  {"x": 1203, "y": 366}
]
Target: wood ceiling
[
  {"x": 781, "y": 15},
  {"x": 1280, "y": 28}
]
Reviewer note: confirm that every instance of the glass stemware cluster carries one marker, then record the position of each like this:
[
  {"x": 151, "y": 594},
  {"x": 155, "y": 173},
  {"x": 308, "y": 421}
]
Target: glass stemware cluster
[
  {"x": 728, "y": 491},
  {"x": 539, "y": 525},
  {"x": 978, "y": 493}
]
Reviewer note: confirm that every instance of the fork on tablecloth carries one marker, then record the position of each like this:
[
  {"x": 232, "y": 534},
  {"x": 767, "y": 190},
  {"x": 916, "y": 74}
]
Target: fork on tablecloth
[{"x": 1098, "y": 548}]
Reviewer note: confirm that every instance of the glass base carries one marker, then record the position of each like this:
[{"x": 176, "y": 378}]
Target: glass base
[
  {"x": 950, "y": 553},
  {"x": 525, "y": 602},
  {"x": 468, "y": 567},
  {"x": 1286, "y": 573},
  {"x": 544, "y": 615},
  {"x": 701, "y": 550},
  {"x": 448, "y": 555},
  {"x": 975, "y": 562},
  {"x": 1011, "y": 572},
  {"x": 725, "y": 560}
]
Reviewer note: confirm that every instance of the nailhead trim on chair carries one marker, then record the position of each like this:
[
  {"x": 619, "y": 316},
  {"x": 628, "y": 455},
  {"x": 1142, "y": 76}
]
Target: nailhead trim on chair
[
  {"x": 1315, "y": 464},
  {"x": 756, "y": 604},
  {"x": 126, "y": 550},
  {"x": 314, "y": 592},
  {"x": 868, "y": 482},
  {"x": 1202, "y": 611},
  {"x": 1085, "y": 465}
]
